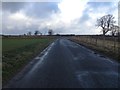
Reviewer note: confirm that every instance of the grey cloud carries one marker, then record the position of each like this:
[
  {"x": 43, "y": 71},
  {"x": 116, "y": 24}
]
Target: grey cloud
[
  {"x": 85, "y": 17},
  {"x": 13, "y": 6},
  {"x": 96, "y": 5},
  {"x": 34, "y": 9},
  {"x": 106, "y": 5},
  {"x": 40, "y": 13},
  {"x": 41, "y": 9}
]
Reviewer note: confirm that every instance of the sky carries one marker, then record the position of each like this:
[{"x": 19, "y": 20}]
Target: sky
[{"x": 63, "y": 17}]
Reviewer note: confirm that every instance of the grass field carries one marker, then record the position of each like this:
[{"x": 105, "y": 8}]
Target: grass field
[
  {"x": 108, "y": 47},
  {"x": 17, "y": 52}
]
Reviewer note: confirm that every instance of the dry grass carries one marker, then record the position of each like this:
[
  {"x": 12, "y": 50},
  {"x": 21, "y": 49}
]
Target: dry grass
[{"x": 108, "y": 47}]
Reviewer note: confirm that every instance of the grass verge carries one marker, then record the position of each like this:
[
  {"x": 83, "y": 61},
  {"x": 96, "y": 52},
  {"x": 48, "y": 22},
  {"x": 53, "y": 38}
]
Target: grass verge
[
  {"x": 17, "y": 52},
  {"x": 104, "y": 51}
]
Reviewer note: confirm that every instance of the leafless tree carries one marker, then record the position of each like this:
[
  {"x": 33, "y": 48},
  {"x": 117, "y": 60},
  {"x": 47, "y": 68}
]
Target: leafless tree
[
  {"x": 114, "y": 30},
  {"x": 106, "y": 22},
  {"x": 29, "y": 33},
  {"x": 36, "y": 32},
  {"x": 40, "y": 33},
  {"x": 118, "y": 32},
  {"x": 50, "y": 32}
]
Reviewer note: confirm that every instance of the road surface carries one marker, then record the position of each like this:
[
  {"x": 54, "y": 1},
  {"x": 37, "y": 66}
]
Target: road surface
[{"x": 65, "y": 64}]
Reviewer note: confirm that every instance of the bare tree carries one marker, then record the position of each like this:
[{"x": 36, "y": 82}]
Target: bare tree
[
  {"x": 118, "y": 33},
  {"x": 106, "y": 22},
  {"x": 36, "y": 32},
  {"x": 50, "y": 32},
  {"x": 114, "y": 30},
  {"x": 40, "y": 33},
  {"x": 29, "y": 33}
]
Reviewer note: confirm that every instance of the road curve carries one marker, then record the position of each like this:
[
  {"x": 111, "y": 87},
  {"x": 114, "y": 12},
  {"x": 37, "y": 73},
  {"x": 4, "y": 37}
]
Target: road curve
[{"x": 65, "y": 64}]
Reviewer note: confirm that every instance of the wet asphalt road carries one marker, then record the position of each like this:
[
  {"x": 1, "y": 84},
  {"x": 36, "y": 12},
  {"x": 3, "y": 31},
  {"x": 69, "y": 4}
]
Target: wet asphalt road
[{"x": 65, "y": 64}]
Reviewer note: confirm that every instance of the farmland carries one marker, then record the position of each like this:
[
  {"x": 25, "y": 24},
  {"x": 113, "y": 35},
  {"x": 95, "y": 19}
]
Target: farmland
[
  {"x": 17, "y": 52},
  {"x": 58, "y": 66},
  {"x": 110, "y": 46}
]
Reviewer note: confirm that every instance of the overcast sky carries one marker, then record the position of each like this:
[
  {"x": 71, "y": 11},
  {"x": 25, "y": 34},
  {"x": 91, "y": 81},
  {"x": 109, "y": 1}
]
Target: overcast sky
[{"x": 64, "y": 17}]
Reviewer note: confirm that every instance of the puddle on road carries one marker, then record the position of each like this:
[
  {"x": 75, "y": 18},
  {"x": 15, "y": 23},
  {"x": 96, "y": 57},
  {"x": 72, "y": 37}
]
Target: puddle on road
[
  {"x": 97, "y": 79},
  {"x": 40, "y": 62}
]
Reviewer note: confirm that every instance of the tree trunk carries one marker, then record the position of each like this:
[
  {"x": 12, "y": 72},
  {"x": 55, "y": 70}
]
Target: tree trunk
[{"x": 103, "y": 39}]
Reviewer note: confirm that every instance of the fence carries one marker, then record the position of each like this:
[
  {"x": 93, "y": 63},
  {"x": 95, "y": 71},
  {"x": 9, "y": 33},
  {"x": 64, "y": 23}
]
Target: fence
[{"x": 107, "y": 44}]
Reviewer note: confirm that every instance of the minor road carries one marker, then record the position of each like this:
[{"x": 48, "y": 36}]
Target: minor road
[{"x": 66, "y": 64}]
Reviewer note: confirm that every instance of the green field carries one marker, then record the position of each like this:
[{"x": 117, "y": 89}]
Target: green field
[
  {"x": 17, "y": 52},
  {"x": 15, "y": 43}
]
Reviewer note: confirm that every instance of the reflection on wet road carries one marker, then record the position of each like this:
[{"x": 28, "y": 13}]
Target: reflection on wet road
[{"x": 65, "y": 64}]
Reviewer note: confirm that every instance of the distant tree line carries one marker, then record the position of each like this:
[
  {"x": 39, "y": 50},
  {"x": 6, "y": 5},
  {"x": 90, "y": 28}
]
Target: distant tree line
[{"x": 37, "y": 32}]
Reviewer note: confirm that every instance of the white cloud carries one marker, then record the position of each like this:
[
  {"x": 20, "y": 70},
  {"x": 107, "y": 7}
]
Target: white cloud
[
  {"x": 18, "y": 16},
  {"x": 73, "y": 16},
  {"x": 72, "y": 9}
]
